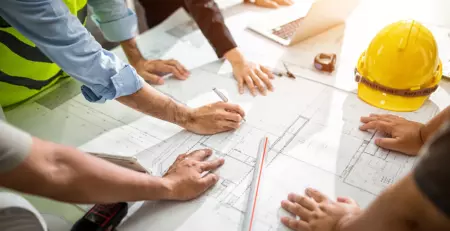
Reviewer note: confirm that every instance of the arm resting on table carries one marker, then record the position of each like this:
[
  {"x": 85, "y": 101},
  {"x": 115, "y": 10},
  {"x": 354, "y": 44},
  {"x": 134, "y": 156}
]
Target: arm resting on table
[{"x": 67, "y": 174}]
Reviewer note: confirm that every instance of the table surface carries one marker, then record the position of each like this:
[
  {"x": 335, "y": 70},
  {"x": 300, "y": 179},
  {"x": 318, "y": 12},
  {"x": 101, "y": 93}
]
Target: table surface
[{"x": 65, "y": 117}]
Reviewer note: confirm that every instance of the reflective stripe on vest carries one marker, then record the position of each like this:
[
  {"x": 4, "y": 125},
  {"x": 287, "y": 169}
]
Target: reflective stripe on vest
[{"x": 24, "y": 69}]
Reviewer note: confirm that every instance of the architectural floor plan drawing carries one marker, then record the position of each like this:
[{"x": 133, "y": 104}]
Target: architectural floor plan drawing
[
  {"x": 312, "y": 123},
  {"x": 315, "y": 142}
]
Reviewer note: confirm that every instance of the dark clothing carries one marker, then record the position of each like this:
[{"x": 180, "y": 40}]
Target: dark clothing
[
  {"x": 432, "y": 174},
  {"x": 206, "y": 14}
]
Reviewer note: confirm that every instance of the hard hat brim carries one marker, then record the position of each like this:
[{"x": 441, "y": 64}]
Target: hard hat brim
[
  {"x": 390, "y": 102},
  {"x": 393, "y": 102}
]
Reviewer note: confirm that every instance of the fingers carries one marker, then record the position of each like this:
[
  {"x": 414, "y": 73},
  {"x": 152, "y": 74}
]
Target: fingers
[
  {"x": 167, "y": 66},
  {"x": 382, "y": 126},
  {"x": 387, "y": 143},
  {"x": 181, "y": 157},
  {"x": 174, "y": 70},
  {"x": 268, "y": 72},
  {"x": 179, "y": 66},
  {"x": 297, "y": 225},
  {"x": 296, "y": 209},
  {"x": 390, "y": 116},
  {"x": 267, "y": 3},
  {"x": 284, "y": 2},
  {"x": 305, "y": 202},
  {"x": 232, "y": 117},
  {"x": 170, "y": 66},
  {"x": 200, "y": 155},
  {"x": 234, "y": 108},
  {"x": 208, "y": 181},
  {"x": 151, "y": 78},
  {"x": 240, "y": 85},
  {"x": 229, "y": 118},
  {"x": 346, "y": 200},
  {"x": 211, "y": 165},
  {"x": 230, "y": 125},
  {"x": 263, "y": 76},
  {"x": 316, "y": 195},
  {"x": 250, "y": 85},
  {"x": 258, "y": 83},
  {"x": 367, "y": 119},
  {"x": 374, "y": 117}
]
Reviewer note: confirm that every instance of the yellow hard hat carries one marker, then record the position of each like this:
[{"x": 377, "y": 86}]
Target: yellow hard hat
[{"x": 400, "y": 68}]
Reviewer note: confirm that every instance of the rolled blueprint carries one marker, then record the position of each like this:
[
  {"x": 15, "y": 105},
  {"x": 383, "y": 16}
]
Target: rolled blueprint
[{"x": 255, "y": 185}]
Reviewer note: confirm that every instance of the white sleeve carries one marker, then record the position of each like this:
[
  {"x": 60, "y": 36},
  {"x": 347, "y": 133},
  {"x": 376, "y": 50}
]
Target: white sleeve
[{"x": 15, "y": 145}]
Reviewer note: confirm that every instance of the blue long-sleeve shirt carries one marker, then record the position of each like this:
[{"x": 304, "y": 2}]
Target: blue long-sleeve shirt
[{"x": 62, "y": 38}]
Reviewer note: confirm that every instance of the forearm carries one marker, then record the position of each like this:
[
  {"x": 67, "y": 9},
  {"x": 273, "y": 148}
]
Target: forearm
[
  {"x": 392, "y": 210},
  {"x": 152, "y": 102},
  {"x": 401, "y": 207},
  {"x": 62, "y": 38},
  {"x": 234, "y": 56},
  {"x": 67, "y": 174},
  {"x": 433, "y": 125},
  {"x": 131, "y": 50}
]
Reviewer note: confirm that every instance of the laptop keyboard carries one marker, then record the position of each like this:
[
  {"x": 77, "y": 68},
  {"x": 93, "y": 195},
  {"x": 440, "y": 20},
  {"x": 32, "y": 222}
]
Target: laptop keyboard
[{"x": 287, "y": 30}]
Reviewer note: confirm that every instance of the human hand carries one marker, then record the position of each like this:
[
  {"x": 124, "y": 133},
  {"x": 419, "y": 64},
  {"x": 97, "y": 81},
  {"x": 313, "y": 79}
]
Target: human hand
[
  {"x": 405, "y": 135},
  {"x": 248, "y": 73},
  {"x": 253, "y": 76},
  {"x": 317, "y": 212},
  {"x": 148, "y": 69},
  {"x": 273, "y": 3},
  {"x": 215, "y": 118},
  {"x": 184, "y": 177}
]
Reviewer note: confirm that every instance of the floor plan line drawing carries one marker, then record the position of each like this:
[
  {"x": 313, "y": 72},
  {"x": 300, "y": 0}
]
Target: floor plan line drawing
[
  {"x": 323, "y": 134},
  {"x": 314, "y": 136},
  {"x": 312, "y": 123}
]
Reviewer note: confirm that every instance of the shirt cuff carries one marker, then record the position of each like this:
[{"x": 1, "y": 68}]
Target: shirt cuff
[
  {"x": 125, "y": 82},
  {"x": 118, "y": 30}
]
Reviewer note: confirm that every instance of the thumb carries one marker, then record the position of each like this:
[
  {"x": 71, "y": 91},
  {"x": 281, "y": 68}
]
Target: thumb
[
  {"x": 153, "y": 79},
  {"x": 387, "y": 143}
]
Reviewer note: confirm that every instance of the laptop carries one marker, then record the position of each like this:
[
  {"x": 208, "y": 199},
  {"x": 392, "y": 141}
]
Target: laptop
[{"x": 291, "y": 27}]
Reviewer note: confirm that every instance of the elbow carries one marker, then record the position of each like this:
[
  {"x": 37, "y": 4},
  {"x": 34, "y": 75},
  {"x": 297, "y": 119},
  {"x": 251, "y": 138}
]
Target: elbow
[{"x": 59, "y": 177}]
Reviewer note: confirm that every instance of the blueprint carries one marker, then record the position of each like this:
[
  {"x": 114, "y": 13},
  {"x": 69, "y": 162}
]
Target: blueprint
[
  {"x": 315, "y": 142},
  {"x": 312, "y": 128},
  {"x": 312, "y": 124}
]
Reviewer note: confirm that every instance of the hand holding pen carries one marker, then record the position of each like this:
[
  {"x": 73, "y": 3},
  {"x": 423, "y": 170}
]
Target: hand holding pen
[{"x": 223, "y": 98}]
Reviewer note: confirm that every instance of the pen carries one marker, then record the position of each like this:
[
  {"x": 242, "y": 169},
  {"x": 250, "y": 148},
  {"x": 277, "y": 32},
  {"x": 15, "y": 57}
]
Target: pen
[
  {"x": 224, "y": 98},
  {"x": 254, "y": 187},
  {"x": 281, "y": 73},
  {"x": 288, "y": 73},
  {"x": 221, "y": 95}
]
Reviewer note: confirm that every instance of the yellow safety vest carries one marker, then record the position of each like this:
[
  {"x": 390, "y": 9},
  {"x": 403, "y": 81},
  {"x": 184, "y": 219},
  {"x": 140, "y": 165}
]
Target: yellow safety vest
[{"x": 24, "y": 70}]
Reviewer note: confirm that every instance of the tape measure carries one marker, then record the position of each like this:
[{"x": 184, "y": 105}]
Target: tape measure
[
  {"x": 102, "y": 217},
  {"x": 325, "y": 62}
]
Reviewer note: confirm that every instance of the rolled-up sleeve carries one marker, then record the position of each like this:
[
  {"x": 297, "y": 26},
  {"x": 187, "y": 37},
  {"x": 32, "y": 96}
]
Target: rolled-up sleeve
[
  {"x": 115, "y": 20},
  {"x": 62, "y": 38}
]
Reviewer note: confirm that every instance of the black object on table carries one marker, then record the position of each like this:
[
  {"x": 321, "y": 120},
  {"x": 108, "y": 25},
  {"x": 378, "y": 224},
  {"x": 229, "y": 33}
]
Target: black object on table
[{"x": 102, "y": 217}]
